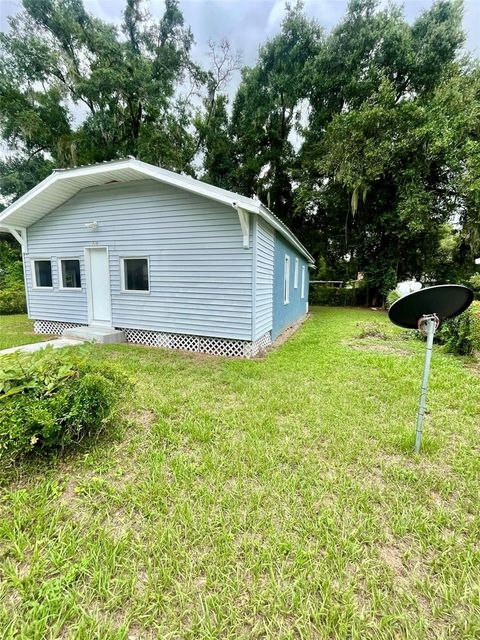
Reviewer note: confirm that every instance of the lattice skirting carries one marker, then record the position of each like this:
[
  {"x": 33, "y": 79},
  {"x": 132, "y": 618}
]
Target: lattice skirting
[
  {"x": 198, "y": 344},
  {"x": 184, "y": 342},
  {"x": 54, "y": 327}
]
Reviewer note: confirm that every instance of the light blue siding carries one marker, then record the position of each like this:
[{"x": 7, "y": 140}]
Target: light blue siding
[
  {"x": 200, "y": 274},
  {"x": 264, "y": 254},
  {"x": 285, "y": 315},
  {"x": 53, "y": 304}
]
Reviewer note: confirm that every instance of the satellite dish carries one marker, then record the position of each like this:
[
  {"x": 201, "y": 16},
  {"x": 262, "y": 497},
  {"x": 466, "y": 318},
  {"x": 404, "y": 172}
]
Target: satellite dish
[
  {"x": 425, "y": 310},
  {"x": 445, "y": 301}
]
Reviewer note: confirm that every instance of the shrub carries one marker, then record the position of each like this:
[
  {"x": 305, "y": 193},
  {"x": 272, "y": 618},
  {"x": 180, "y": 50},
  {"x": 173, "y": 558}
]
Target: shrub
[
  {"x": 336, "y": 296},
  {"x": 13, "y": 300},
  {"x": 474, "y": 283},
  {"x": 392, "y": 297},
  {"x": 12, "y": 288},
  {"x": 50, "y": 401},
  {"x": 461, "y": 335}
]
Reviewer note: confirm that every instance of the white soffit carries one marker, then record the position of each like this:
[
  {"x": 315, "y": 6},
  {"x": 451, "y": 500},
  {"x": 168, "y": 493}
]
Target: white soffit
[{"x": 62, "y": 184}]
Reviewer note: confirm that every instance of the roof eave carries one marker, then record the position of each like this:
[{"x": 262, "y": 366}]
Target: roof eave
[
  {"x": 276, "y": 223},
  {"x": 180, "y": 182}
]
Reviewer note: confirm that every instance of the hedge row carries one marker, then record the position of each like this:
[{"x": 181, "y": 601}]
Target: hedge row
[{"x": 336, "y": 296}]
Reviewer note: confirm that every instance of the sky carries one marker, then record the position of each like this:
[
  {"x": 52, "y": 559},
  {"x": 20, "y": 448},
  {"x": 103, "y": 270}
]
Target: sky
[{"x": 248, "y": 23}]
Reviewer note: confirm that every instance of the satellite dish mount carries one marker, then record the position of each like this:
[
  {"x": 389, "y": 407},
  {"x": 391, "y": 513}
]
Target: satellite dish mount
[{"x": 425, "y": 310}]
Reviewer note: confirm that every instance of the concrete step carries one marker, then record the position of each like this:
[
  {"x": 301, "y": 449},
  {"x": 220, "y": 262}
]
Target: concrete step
[{"x": 104, "y": 335}]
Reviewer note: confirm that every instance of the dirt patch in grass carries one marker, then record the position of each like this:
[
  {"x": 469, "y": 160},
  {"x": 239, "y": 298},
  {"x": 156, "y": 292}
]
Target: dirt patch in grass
[
  {"x": 366, "y": 345},
  {"x": 473, "y": 367}
]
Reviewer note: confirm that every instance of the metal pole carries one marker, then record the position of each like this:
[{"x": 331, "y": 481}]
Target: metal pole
[{"x": 430, "y": 321}]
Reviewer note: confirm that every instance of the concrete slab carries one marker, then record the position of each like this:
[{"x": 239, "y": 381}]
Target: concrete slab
[
  {"x": 104, "y": 335},
  {"x": 58, "y": 343}
]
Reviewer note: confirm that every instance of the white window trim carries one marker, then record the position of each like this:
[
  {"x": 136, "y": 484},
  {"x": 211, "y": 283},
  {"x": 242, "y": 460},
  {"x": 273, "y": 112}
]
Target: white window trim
[
  {"x": 303, "y": 282},
  {"x": 122, "y": 275},
  {"x": 295, "y": 275},
  {"x": 60, "y": 273},
  {"x": 286, "y": 280},
  {"x": 34, "y": 273}
]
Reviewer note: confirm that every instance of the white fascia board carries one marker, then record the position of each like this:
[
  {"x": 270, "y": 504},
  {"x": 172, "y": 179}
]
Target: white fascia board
[
  {"x": 142, "y": 168},
  {"x": 175, "y": 180},
  {"x": 190, "y": 184},
  {"x": 27, "y": 197},
  {"x": 285, "y": 231}
]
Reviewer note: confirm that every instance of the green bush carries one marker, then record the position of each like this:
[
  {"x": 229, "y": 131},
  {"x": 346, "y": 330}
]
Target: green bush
[
  {"x": 50, "y": 400},
  {"x": 392, "y": 297},
  {"x": 461, "y": 335},
  {"x": 336, "y": 296},
  {"x": 12, "y": 288},
  {"x": 474, "y": 284},
  {"x": 13, "y": 300}
]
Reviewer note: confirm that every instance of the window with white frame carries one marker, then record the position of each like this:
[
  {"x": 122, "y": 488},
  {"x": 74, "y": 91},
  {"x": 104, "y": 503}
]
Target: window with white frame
[
  {"x": 286, "y": 280},
  {"x": 42, "y": 274},
  {"x": 135, "y": 274},
  {"x": 303, "y": 282},
  {"x": 295, "y": 275},
  {"x": 70, "y": 273}
]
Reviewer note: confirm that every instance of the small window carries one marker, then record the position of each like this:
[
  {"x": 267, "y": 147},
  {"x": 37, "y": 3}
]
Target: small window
[
  {"x": 70, "y": 274},
  {"x": 286, "y": 281},
  {"x": 135, "y": 274},
  {"x": 295, "y": 275},
  {"x": 42, "y": 273},
  {"x": 303, "y": 281}
]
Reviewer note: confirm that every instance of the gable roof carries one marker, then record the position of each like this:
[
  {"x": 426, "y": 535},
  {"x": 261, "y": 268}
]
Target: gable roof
[{"x": 62, "y": 184}]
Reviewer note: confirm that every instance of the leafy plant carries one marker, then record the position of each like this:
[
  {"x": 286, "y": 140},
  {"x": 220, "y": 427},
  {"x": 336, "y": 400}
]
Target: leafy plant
[
  {"x": 474, "y": 283},
  {"x": 461, "y": 335},
  {"x": 392, "y": 297},
  {"x": 13, "y": 300},
  {"x": 12, "y": 289},
  {"x": 49, "y": 401}
]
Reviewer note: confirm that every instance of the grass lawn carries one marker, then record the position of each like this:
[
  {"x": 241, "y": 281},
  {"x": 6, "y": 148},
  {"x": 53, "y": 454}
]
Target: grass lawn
[
  {"x": 274, "y": 498},
  {"x": 17, "y": 330}
]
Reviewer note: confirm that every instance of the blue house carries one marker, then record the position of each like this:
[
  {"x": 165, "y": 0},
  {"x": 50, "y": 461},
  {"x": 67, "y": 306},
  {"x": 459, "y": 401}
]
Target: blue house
[{"x": 127, "y": 249}]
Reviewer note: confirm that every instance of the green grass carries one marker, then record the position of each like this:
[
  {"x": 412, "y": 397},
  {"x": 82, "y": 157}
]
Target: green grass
[
  {"x": 274, "y": 498},
  {"x": 17, "y": 330}
]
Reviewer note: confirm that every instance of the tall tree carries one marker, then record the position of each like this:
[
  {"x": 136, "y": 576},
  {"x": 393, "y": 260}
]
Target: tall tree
[
  {"x": 57, "y": 60},
  {"x": 212, "y": 120},
  {"x": 383, "y": 155},
  {"x": 266, "y": 110}
]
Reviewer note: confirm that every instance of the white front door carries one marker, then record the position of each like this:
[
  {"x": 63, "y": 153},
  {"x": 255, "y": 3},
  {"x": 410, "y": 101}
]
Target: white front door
[{"x": 98, "y": 284}]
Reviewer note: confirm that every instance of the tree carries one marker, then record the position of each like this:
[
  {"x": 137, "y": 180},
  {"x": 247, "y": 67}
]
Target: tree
[
  {"x": 267, "y": 107},
  {"x": 384, "y": 156},
  {"x": 57, "y": 58},
  {"x": 212, "y": 121}
]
